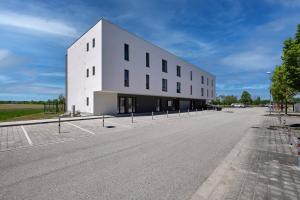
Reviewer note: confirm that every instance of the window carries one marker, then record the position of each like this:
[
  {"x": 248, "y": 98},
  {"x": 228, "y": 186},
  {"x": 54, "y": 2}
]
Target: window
[
  {"x": 94, "y": 70},
  {"x": 87, "y": 73},
  {"x": 126, "y": 52},
  {"x": 147, "y": 81},
  {"x": 170, "y": 103},
  {"x": 94, "y": 42},
  {"x": 202, "y": 92},
  {"x": 178, "y": 69},
  {"x": 212, "y": 93},
  {"x": 191, "y": 90},
  {"x": 87, "y": 101},
  {"x": 178, "y": 87},
  {"x": 191, "y": 75},
  {"x": 147, "y": 59},
  {"x": 126, "y": 78},
  {"x": 164, "y": 65},
  {"x": 87, "y": 46},
  {"x": 207, "y": 92},
  {"x": 207, "y": 81},
  {"x": 202, "y": 80},
  {"x": 164, "y": 85}
]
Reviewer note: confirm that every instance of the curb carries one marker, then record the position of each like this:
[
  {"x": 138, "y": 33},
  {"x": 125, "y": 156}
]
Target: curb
[{"x": 208, "y": 187}]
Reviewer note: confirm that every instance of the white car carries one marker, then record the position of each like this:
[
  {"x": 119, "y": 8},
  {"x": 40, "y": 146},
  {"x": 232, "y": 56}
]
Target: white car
[{"x": 237, "y": 105}]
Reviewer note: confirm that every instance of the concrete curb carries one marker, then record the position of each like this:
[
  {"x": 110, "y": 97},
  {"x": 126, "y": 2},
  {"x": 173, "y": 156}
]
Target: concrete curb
[{"x": 208, "y": 187}]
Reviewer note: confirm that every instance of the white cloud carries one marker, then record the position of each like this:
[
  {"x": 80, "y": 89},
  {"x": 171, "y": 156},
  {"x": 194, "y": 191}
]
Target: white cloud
[
  {"x": 4, "y": 54},
  {"x": 257, "y": 59},
  {"x": 5, "y": 79},
  {"x": 33, "y": 23},
  {"x": 53, "y": 74}
]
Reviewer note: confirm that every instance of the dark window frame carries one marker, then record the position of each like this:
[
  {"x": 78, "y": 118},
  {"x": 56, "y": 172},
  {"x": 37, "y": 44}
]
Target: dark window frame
[
  {"x": 126, "y": 52},
  {"x": 94, "y": 70},
  {"x": 126, "y": 77},
  {"x": 202, "y": 79},
  {"x": 147, "y": 81},
  {"x": 165, "y": 85},
  {"x": 87, "y": 101},
  {"x": 164, "y": 65},
  {"x": 191, "y": 90},
  {"x": 87, "y": 72},
  {"x": 87, "y": 47},
  {"x": 191, "y": 75},
  {"x": 202, "y": 92},
  {"x": 178, "y": 87},
  {"x": 94, "y": 43},
  {"x": 147, "y": 59},
  {"x": 178, "y": 71}
]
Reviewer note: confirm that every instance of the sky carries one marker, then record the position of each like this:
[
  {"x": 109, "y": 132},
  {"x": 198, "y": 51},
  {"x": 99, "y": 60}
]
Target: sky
[{"x": 237, "y": 40}]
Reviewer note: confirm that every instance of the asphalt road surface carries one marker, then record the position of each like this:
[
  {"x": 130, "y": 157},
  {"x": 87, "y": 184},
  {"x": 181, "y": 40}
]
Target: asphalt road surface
[{"x": 164, "y": 159}]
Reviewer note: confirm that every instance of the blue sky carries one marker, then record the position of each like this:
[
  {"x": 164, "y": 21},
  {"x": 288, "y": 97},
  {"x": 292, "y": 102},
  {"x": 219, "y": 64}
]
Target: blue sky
[{"x": 237, "y": 40}]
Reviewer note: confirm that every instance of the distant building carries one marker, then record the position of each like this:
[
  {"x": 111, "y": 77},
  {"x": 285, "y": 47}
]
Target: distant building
[{"x": 109, "y": 71}]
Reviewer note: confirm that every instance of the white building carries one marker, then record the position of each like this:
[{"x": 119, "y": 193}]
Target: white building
[{"x": 109, "y": 71}]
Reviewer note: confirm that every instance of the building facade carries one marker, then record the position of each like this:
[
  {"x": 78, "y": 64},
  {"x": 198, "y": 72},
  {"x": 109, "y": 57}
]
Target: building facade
[{"x": 109, "y": 71}]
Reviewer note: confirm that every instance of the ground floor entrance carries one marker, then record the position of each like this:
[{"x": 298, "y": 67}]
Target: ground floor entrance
[{"x": 140, "y": 103}]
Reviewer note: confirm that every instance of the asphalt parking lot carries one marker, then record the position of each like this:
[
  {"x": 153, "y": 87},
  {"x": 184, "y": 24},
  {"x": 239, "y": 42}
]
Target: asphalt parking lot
[{"x": 165, "y": 158}]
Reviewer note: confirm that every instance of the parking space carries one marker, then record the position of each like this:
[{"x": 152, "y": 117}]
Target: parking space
[{"x": 14, "y": 137}]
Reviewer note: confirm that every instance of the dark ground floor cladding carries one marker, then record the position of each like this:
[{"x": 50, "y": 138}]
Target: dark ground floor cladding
[{"x": 139, "y": 103}]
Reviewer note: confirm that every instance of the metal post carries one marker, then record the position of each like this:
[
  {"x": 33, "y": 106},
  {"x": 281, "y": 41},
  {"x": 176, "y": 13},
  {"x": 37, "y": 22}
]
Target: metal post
[
  {"x": 298, "y": 149},
  {"x": 196, "y": 110},
  {"x": 131, "y": 117},
  {"x": 102, "y": 120},
  {"x": 167, "y": 113},
  {"x": 188, "y": 111},
  {"x": 152, "y": 115},
  {"x": 289, "y": 132},
  {"x": 179, "y": 112},
  {"x": 59, "y": 124}
]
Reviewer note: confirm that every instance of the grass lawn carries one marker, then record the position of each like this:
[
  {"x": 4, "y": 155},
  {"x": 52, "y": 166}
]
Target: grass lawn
[{"x": 15, "y": 112}]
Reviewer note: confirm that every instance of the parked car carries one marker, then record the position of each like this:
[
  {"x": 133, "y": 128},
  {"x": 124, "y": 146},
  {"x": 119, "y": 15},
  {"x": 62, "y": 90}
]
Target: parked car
[{"x": 237, "y": 105}]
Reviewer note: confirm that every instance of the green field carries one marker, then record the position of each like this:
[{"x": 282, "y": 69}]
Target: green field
[{"x": 15, "y": 112}]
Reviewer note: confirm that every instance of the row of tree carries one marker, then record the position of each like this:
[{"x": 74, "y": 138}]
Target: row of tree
[
  {"x": 246, "y": 99},
  {"x": 286, "y": 77},
  {"x": 59, "y": 100}
]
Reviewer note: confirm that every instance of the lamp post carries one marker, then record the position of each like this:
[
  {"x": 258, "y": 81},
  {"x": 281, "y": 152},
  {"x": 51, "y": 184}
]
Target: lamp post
[{"x": 270, "y": 104}]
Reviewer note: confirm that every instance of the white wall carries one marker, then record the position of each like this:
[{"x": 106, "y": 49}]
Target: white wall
[
  {"x": 114, "y": 65},
  {"x": 108, "y": 58},
  {"x": 105, "y": 103},
  {"x": 79, "y": 86}
]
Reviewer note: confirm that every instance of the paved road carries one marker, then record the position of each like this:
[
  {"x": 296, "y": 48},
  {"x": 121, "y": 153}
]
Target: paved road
[{"x": 164, "y": 160}]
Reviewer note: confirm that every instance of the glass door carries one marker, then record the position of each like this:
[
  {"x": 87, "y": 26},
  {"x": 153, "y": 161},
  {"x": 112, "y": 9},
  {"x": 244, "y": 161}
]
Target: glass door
[
  {"x": 158, "y": 102},
  {"x": 122, "y": 105}
]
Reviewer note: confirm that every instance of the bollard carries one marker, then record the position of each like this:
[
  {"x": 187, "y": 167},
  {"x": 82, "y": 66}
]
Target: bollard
[
  {"x": 131, "y": 117},
  {"x": 59, "y": 124},
  {"x": 298, "y": 149},
  {"x": 102, "y": 120},
  {"x": 167, "y": 113},
  {"x": 152, "y": 115},
  {"x": 188, "y": 111},
  {"x": 289, "y": 133},
  {"x": 179, "y": 112}
]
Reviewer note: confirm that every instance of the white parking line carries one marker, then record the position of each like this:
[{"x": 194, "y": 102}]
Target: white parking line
[
  {"x": 26, "y": 135},
  {"x": 83, "y": 129}
]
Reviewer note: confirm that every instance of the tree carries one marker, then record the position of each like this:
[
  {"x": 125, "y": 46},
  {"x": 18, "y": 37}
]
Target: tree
[
  {"x": 291, "y": 60},
  {"x": 257, "y": 101},
  {"x": 246, "y": 98},
  {"x": 281, "y": 90},
  {"x": 229, "y": 100}
]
